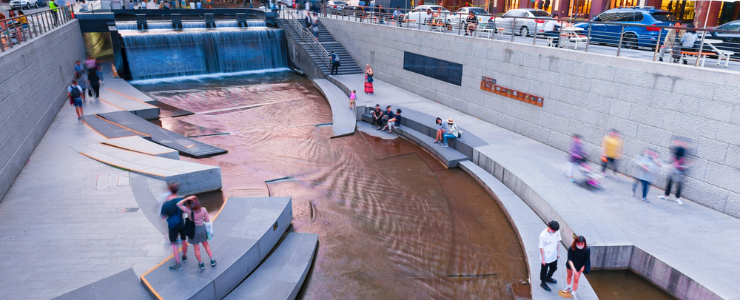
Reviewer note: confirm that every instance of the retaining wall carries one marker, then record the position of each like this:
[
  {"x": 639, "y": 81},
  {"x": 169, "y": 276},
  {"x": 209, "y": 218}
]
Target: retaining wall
[
  {"x": 33, "y": 80},
  {"x": 584, "y": 93}
]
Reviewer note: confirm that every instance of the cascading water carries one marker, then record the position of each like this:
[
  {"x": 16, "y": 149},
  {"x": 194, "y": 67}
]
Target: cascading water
[
  {"x": 185, "y": 25},
  {"x": 186, "y": 53}
]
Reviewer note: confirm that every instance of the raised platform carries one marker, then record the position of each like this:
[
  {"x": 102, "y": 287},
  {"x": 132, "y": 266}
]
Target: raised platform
[
  {"x": 343, "y": 118},
  {"x": 121, "y": 286},
  {"x": 246, "y": 230},
  {"x": 159, "y": 135},
  {"x": 192, "y": 177},
  {"x": 108, "y": 129},
  {"x": 282, "y": 274},
  {"x": 143, "y": 146}
]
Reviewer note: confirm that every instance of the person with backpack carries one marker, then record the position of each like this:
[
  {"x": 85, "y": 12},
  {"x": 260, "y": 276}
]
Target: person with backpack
[
  {"x": 198, "y": 216},
  {"x": 175, "y": 226},
  {"x": 76, "y": 95},
  {"x": 94, "y": 80},
  {"x": 334, "y": 59}
]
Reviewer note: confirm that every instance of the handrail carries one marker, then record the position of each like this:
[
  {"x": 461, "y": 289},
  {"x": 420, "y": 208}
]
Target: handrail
[
  {"x": 13, "y": 31},
  {"x": 308, "y": 38}
]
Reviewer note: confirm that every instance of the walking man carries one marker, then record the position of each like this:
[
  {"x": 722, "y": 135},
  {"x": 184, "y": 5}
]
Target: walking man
[
  {"x": 53, "y": 7},
  {"x": 549, "y": 241},
  {"x": 76, "y": 93},
  {"x": 678, "y": 164},
  {"x": 334, "y": 59},
  {"x": 175, "y": 225},
  {"x": 612, "y": 151}
]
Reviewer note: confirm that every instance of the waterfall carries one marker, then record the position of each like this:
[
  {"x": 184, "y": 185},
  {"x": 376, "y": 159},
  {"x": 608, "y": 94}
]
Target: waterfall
[
  {"x": 168, "y": 25},
  {"x": 185, "y": 53}
]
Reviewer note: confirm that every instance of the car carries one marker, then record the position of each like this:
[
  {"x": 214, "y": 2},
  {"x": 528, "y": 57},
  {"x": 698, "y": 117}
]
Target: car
[
  {"x": 517, "y": 21},
  {"x": 23, "y": 4},
  {"x": 420, "y": 13},
  {"x": 336, "y": 6},
  {"x": 460, "y": 16},
  {"x": 730, "y": 40},
  {"x": 632, "y": 36}
]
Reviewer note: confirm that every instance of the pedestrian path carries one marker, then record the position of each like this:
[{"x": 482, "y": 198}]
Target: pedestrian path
[
  {"x": 696, "y": 241},
  {"x": 63, "y": 223}
]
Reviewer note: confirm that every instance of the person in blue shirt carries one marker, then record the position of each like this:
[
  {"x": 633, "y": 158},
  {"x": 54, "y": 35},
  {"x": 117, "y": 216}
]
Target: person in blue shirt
[{"x": 394, "y": 121}]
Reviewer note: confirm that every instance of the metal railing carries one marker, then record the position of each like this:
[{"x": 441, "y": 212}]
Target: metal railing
[
  {"x": 20, "y": 29},
  {"x": 638, "y": 40},
  {"x": 306, "y": 37}
]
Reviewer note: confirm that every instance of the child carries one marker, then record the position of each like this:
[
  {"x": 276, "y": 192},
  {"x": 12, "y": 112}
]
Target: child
[{"x": 352, "y": 98}]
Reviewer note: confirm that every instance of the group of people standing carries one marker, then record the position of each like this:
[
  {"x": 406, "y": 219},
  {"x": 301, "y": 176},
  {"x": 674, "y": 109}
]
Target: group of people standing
[
  {"x": 76, "y": 91},
  {"x": 579, "y": 259},
  {"x": 194, "y": 227},
  {"x": 647, "y": 165}
]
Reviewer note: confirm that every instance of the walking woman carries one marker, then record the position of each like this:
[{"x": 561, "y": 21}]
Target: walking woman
[
  {"x": 198, "y": 215},
  {"x": 368, "y": 79},
  {"x": 579, "y": 262}
]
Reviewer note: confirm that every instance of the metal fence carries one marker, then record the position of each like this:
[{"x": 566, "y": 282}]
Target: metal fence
[
  {"x": 306, "y": 36},
  {"x": 645, "y": 41},
  {"x": 23, "y": 28}
]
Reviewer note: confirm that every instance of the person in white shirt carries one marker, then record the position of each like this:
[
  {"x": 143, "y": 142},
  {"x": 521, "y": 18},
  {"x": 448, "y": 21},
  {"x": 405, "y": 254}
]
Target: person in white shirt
[
  {"x": 143, "y": 5},
  {"x": 549, "y": 242},
  {"x": 552, "y": 29}
]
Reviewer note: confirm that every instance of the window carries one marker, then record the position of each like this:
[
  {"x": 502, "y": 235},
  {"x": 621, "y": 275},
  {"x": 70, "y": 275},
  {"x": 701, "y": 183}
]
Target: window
[
  {"x": 539, "y": 13},
  {"x": 435, "y": 68},
  {"x": 625, "y": 17},
  {"x": 639, "y": 17},
  {"x": 664, "y": 17},
  {"x": 478, "y": 11},
  {"x": 730, "y": 27},
  {"x": 607, "y": 17}
]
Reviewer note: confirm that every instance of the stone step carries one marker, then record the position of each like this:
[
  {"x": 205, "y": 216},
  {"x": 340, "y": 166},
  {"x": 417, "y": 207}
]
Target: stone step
[{"x": 144, "y": 146}]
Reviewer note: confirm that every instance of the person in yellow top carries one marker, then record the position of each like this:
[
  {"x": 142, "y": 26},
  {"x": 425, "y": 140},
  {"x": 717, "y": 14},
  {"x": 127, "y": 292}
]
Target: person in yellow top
[
  {"x": 612, "y": 151},
  {"x": 53, "y": 7}
]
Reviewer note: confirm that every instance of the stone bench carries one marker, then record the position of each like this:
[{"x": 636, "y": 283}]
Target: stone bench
[
  {"x": 343, "y": 119},
  {"x": 245, "y": 231},
  {"x": 144, "y": 146},
  {"x": 449, "y": 156},
  {"x": 192, "y": 177},
  {"x": 282, "y": 274}
]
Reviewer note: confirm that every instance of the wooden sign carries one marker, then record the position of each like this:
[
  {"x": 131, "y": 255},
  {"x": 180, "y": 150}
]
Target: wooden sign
[{"x": 489, "y": 84}]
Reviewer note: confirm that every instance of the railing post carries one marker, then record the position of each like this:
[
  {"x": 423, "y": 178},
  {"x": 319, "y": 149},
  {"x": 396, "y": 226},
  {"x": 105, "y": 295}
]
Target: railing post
[
  {"x": 588, "y": 38},
  {"x": 534, "y": 36},
  {"x": 621, "y": 37},
  {"x": 513, "y": 24},
  {"x": 701, "y": 46},
  {"x": 657, "y": 45}
]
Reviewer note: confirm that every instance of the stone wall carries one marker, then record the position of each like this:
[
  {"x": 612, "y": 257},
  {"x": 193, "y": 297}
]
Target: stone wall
[
  {"x": 584, "y": 93},
  {"x": 33, "y": 77}
]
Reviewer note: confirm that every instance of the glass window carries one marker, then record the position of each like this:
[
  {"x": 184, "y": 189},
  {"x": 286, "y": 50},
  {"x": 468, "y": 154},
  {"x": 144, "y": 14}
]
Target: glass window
[
  {"x": 664, "y": 17},
  {"x": 730, "y": 27},
  {"x": 625, "y": 17},
  {"x": 607, "y": 17},
  {"x": 639, "y": 17},
  {"x": 539, "y": 13},
  {"x": 478, "y": 11},
  {"x": 579, "y": 8}
]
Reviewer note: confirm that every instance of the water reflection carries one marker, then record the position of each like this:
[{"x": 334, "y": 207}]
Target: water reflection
[
  {"x": 394, "y": 223},
  {"x": 624, "y": 284}
]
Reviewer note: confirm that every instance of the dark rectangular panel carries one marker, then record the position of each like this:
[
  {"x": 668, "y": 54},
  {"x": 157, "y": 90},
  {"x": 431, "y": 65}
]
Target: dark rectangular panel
[{"x": 432, "y": 67}]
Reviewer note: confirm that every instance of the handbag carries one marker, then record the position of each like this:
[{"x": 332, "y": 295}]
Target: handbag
[
  {"x": 587, "y": 268},
  {"x": 189, "y": 229},
  {"x": 370, "y": 79},
  {"x": 209, "y": 230}
]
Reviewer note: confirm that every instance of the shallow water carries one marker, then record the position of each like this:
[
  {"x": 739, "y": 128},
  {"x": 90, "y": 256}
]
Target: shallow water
[
  {"x": 393, "y": 222},
  {"x": 624, "y": 284}
]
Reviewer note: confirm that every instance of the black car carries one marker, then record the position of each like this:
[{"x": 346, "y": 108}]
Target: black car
[{"x": 730, "y": 40}]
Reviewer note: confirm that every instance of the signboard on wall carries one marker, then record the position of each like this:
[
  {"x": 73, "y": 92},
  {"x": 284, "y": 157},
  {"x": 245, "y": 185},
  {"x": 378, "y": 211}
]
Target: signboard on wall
[{"x": 489, "y": 84}]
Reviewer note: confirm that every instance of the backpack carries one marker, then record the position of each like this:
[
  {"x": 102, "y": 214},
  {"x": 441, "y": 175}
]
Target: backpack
[
  {"x": 336, "y": 57},
  {"x": 174, "y": 220},
  {"x": 75, "y": 93}
]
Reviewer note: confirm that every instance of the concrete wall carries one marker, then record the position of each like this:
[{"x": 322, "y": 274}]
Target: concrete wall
[
  {"x": 584, "y": 93},
  {"x": 33, "y": 78}
]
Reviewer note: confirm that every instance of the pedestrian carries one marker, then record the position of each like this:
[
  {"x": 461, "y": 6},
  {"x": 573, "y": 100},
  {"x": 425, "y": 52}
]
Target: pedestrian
[
  {"x": 76, "y": 95},
  {"x": 315, "y": 25},
  {"x": 688, "y": 39},
  {"x": 670, "y": 39},
  {"x": 576, "y": 154},
  {"x": 94, "y": 80},
  {"x": 441, "y": 131},
  {"x": 647, "y": 166},
  {"x": 368, "y": 79},
  {"x": 552, "y": 30},
  {"x": 377, "y": 115},
  {"x": 89, "y": 64},
  {"x": 386, "y": 116},
  {"x": 334, "y": 59},
  {"x": 471, "y": 23},
  {"x": 54, "y": 13},
  {"x": 82, "y": 83},
  {"x": 79, "y": 69},
  {"x": 99, "y": 70},
  {"x": 308, "y": 7},
  {"x": 198, "y": 215},
  {"x": 579, "y": 262},
  {"x": 452, "y": 132},
  {"x": 394, "y": 121},
  {"x": 352, "y": 98},
  {"x": 611, "y": 152},
  {"x": 175, "y": 226},
  {"x": 678, "y": 168},
  {"x": 397, "y": 16},
  {"x": 143, "y": 5},
  {"x": 549, "y": 241}
]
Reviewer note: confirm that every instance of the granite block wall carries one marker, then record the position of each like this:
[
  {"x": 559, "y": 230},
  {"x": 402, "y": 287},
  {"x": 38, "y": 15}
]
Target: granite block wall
[
  {"x": 585, "y": 93},
  {"x": 33, "y": 77}
]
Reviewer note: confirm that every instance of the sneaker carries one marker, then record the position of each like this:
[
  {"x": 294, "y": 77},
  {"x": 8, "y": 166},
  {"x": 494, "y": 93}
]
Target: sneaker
[
  {"x": 176, "y": 267},
  {"x": 551, "y": 280},
  {"x": 566, "y": 290},
  {"x": 679, "y": 202},
  {"x": 444, "y": 145},
  {"x": 544, "y": 286},
  {"x": 663, "y": 197},
  {"x": 78, "y": 118},
  {"x": 573, "y": 296},
  {"x": 213, "y": 262},
  {"x": 572, "y": 180},
  {"x": 184, "y": 258},
  {"x": 660, "y": 59},
  {"x": 436, "y": 142},
  {"x": 633, "y": 194},
  {"x": 378, "y": 128},
  {"x": 646, "y": 200},
  {"x": 202, "y": 265}
]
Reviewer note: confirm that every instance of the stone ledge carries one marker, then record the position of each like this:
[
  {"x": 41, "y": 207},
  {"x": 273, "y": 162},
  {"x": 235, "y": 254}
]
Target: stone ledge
[{"x": 343, "y": 119}]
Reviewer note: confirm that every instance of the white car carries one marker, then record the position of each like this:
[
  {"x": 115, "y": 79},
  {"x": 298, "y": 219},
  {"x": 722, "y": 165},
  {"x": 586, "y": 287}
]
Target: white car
[
  {"x": 420, "y": 13},
  {"x": 23, "y": 4},
  {"x": 514, "y": 20},
  {"x": 461, "y": 15}
]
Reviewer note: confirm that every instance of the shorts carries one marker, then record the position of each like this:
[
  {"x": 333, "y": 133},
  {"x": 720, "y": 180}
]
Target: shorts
[
  {"x": 180, "y": 229},
  {"x": 392, "y": 125},
  {"x": 78, "y": 102}
]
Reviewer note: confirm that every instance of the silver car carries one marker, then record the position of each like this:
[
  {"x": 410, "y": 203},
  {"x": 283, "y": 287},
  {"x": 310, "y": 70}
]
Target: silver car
[{"x": 515, "y": 21}]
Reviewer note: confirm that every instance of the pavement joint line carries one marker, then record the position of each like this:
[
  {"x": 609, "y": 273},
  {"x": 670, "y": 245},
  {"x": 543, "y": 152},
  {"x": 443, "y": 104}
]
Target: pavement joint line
[
  {"x": 133, "y": 150},
  {"x": 119, "y": 125},
  {"x": 111, "y": 104},
  {"x": 121, "y": 167},
  {"x": 127, "y": 96}
]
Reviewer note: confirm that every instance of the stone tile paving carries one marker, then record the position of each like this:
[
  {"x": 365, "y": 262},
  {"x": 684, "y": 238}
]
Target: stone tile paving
[
  {"x": 693, "y": 238},
  {"x": 61, "y": 223}
]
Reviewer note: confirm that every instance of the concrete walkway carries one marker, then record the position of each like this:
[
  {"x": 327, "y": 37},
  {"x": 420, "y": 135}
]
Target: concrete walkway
[
  {"x": 62, "y": 224},
  {"x": 695, "y": 240}
]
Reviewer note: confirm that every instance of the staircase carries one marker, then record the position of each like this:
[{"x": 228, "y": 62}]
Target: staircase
[{"x": 319, "y": 52}]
